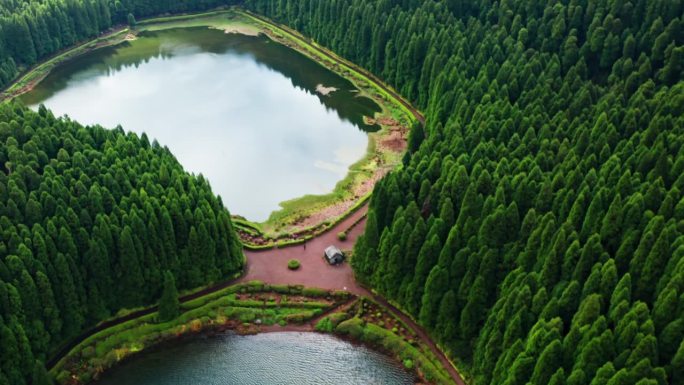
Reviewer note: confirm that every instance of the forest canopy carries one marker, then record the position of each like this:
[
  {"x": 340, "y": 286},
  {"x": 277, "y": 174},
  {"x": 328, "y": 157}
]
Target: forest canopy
[
  {"x": 537, "y": 226},
  {"x": 535, "y": 229}
]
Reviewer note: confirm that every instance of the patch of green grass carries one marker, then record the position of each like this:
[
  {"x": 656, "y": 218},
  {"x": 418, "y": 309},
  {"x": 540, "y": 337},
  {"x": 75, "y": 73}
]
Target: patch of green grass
[
  {"x": 225, "y": 19},
  {"x": 325, "y": 325},
  {"x": 108, "y": 347},
  {"x": 418, "y": 360}
]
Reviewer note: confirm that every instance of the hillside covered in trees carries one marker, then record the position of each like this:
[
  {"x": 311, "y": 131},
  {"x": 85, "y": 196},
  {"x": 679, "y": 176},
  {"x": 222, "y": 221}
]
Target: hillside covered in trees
[
  {"x": 537, "y": 226},
  {"x": 93, "y": 221}
]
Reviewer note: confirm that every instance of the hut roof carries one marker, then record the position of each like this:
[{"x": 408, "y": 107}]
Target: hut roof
[{"x": 332, "y": 251}]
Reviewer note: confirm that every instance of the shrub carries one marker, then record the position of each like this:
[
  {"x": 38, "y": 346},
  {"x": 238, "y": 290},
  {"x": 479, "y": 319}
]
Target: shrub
[
  {"x": 293, "y": 264},
  {"x": 85, "y": 377},
  {"x": 299, "y": 318},
  {"x": 408, "y": 364},
  {"x": 353, "y": 327},
  {"x": 63, "y": 377},
  {"x": 314, "y": 292},
  {"x": 342, "y": 236},
  {"x": 324, "y": 325},
  {"x": 281, "y": 289},
  {"x": 373, "y": 334},
  {"x": 341, "y": 294},
  {"x": 88, "y": 352},
  {"x": 255, "y": 287},
  {"x": 336, "y": 318}
]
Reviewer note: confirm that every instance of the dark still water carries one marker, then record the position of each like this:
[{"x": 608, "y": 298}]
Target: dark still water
[
  {"x": 241, "y": 110},
  {"x": 265, "y": 359}
]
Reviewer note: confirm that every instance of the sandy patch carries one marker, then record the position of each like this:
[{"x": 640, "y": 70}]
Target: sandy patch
[
  {"x": 395, "y": 141},
  {"x": 332, "y": 211},
  {"x": 240, "y": 30},
  {"x": 396, "y": 138},
  {"x": 130, "y": 37},
  {"x": 339, "y": 208},
  {"x": 323, "y": 90},
  {"x": 367, "y": 185}
]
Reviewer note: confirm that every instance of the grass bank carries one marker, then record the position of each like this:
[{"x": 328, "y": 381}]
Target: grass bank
[
  {"x": 245, "y": 308},
  {"x": 35, "y": 75},
  {"x": 250, "y": 308},
  {"x": 373, "y": 325}
]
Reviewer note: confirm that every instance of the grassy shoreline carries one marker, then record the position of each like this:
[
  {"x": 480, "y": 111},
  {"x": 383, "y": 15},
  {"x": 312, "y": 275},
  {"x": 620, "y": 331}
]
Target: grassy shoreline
[
  {"x": 35, "y": 75},
  {"x": 310, "y": 214},
  {"x": 251, "y": 308},
  {"x": 225, "y": 309}
]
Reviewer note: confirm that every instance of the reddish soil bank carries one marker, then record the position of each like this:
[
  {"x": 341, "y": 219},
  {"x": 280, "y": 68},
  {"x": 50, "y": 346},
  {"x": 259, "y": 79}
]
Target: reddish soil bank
[{"x": 270, "y": 266}]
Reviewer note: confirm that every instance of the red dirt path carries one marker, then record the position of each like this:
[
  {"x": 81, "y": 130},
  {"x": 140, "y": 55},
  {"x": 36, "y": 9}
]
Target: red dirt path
[{"x": 270, "y": 266}]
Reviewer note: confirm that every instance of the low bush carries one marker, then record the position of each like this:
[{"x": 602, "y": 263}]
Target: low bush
[
  {"x": 293, "y": 264},
  {"x": 341, "y": 294},
  {"x": 342, "y": 236},
  {"x": 299, "y": 318},
  {"x": 337, "y": 318},
  {"x": 325, "y": 325},
  {"x": 314, "y": 292},
  {"x": 281, "y": 289},
  {"x": 412, "y": 358},
  {"x": 353, "y": 327},
  {"x": 88, "y": 352},
  {"x": 242, "y": 314}
]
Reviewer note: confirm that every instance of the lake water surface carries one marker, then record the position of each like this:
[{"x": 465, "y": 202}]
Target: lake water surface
[
  {"x": 241, "y": 110},
  {"x": 265, "y": 359}
]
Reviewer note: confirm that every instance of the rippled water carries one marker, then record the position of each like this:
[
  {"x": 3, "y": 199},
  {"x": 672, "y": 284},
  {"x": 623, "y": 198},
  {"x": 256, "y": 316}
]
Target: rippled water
[
  {"x": 288, "y": 358},
  {"x": 241, "y": 110}
]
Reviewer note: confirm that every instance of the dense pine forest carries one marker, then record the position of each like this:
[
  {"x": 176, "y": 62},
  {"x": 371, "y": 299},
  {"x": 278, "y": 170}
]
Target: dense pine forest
[
  {"x": 93, "y": 221},
  {"x": 535, "y": 229},
  {"x": 537, "y": 226}
]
